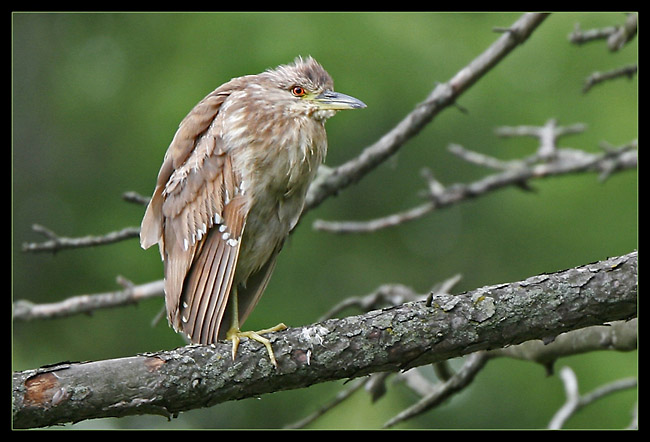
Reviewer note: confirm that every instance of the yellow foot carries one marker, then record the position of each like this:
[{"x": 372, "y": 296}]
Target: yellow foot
[{"x": 234, "y": 335}]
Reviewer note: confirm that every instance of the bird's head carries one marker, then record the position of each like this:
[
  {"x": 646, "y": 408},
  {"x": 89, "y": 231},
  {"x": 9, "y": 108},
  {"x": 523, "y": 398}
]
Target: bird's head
[{"x": 306, "y": 87}]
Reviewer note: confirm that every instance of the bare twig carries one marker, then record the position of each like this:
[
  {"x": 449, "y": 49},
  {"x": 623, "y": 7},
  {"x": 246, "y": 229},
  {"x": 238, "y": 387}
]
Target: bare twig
[
  {"x": 135, "y": 197},
  {"x": 26, "y": 310},
  {"x": 618, "y": 336},
  {"x": 578, "y": 36},
  {"x": 515, "y": 173},
  {"x": 386, "y": 295},
  {"x": 483, "y": 160},
  {"x": 617, "y": 36},
  {"x": 374, "y": 225},
  {"x": 599, "y": 77},
  {"x": 624, "y": 33},
  {"x": 548, "y": 136},
  {"x": 56, "y": 242},
  {"x": 471, "y": 367},
  {"x": 575, "y": 402},
  {"x": 390, "y": 295},
  {"x": 341, "y": 396}
]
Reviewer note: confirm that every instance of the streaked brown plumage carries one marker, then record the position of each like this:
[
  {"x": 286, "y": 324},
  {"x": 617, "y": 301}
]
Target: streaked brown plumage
[{"x": 231, "y": 187}]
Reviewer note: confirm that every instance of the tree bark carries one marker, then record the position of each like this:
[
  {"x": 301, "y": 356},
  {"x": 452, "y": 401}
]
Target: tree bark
[{"x": 390, "y": 339}]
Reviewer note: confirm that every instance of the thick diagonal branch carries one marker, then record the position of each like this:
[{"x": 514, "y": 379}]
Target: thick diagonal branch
[
  {"x": 391, "y": 339},
  {"x": 443, "y": 96}
]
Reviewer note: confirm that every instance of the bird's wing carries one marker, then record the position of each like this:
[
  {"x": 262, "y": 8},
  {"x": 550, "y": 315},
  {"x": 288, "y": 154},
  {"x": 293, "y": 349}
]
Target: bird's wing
[
  {"x": 205, "y": 214},
  {"x": 207, "y": 285},
  {"x": 182, "y": 145},
  {"x": 197, "y": 215}
]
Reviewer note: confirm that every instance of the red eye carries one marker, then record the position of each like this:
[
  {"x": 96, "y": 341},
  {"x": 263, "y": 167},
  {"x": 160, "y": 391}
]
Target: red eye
[{"x": 298, "y": 91}]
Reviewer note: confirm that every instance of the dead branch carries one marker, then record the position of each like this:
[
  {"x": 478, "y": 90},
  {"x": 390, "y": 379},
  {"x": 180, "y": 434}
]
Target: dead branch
[
  {"x": 391, "y": 339},
  {"x": 547, "y": 162},
  {"x": 131, "y": 294},
  {"x": 443, "y": 96}
]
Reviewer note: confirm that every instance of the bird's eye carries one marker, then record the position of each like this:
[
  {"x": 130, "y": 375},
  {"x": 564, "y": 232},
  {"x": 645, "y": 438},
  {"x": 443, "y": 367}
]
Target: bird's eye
[{"x": 298, "y": 91}]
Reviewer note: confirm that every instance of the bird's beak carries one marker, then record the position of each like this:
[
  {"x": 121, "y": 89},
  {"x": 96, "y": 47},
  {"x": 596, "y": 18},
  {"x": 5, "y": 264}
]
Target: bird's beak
[{"x": 330, "y": 100}]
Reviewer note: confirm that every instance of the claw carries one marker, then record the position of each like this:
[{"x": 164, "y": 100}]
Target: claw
[{"x": 235, "y": 335}]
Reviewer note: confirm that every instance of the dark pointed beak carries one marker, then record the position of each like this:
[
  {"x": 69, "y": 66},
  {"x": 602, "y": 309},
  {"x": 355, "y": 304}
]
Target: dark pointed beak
[{"x": 338, "y": 101}]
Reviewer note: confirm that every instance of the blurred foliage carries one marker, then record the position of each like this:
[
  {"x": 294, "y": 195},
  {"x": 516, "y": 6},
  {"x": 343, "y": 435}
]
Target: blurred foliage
[{"x": 97, "y": 98}]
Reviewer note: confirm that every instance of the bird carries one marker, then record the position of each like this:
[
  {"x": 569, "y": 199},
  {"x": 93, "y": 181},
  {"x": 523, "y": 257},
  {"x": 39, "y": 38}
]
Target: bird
[{"x": 231, "y": 187}]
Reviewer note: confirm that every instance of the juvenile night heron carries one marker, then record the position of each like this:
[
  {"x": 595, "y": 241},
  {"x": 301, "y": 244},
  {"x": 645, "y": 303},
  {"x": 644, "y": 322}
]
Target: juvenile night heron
[{"x": 231, "y": 187}]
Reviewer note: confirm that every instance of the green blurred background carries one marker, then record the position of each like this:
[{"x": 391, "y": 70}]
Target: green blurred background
[{"x": 97, "y": 99}]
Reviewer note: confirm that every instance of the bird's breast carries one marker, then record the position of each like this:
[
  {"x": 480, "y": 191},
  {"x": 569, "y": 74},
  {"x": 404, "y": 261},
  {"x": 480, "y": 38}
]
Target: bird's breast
[{"x": 276, "y": 173}]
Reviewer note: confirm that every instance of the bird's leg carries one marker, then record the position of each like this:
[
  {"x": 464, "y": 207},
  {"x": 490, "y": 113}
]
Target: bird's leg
[{"x": 235, "y": 334}]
